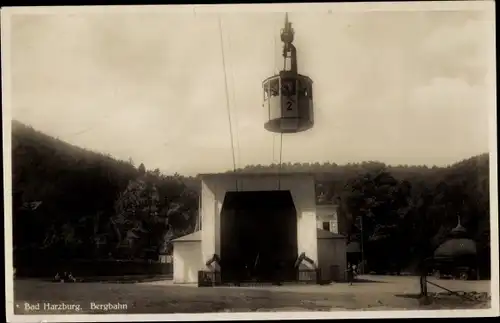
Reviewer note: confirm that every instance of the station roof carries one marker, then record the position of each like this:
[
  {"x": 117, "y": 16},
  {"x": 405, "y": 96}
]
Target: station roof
[
  {"x": 195, "y": 236},
  {"x": 323, "y": 234},
  {"x": 254, "y": 174}
]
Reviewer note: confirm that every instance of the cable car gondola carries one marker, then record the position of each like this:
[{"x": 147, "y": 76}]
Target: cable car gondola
[{"x": 288, "y": 96}]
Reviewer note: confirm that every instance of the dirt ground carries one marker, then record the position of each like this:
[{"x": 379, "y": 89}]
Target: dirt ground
[{"x": 370, "y": 293}]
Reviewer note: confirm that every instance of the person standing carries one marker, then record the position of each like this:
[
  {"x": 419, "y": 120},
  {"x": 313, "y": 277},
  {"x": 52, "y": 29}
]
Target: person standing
[{"x": 350, "y": 274}]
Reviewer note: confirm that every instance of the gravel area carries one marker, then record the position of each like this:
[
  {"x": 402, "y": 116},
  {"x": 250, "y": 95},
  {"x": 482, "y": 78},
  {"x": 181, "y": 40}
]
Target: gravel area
[{"x": 371, "y": 293}]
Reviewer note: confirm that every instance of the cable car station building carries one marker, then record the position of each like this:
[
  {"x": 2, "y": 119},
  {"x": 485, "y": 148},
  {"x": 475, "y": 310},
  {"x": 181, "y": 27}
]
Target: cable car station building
[
  {"x": 260, "y": 227},
  {"x": 265, "y": 227}
]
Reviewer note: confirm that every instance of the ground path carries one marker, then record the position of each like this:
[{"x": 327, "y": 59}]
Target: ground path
[{"x": 375, "y": 293}]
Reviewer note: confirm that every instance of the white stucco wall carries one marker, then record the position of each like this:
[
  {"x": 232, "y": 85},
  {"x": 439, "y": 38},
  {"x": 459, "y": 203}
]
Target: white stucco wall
[
  {"x": 187, "y": 261},
  {"x": 301, "y": 188},
  {"x": 328, "y": 213}
]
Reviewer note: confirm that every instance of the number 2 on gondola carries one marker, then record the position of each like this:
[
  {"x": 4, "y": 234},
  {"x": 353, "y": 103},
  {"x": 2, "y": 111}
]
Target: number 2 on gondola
[{"x": 290, "y": 110}]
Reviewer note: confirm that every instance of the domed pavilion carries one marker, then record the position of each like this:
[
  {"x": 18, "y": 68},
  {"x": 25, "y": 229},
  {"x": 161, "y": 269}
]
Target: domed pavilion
[{"x": 457, "y": 255}]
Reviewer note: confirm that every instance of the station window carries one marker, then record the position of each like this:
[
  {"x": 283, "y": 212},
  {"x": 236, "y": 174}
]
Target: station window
[
  {"x": 266, "y": 90},
  {"x": 275, "y": 87},
  {"x": 305, "y": 89},
  {"x": 326, "y": 225}
]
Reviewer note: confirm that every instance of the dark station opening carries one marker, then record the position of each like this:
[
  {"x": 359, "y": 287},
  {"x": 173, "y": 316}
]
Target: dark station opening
[{"x": 258, "y": 237}]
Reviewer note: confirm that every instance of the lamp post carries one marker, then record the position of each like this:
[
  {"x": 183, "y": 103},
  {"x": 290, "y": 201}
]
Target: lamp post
[{"x": 362, "y": 248}]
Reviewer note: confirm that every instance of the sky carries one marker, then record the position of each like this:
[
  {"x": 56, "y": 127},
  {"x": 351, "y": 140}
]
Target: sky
[{"x": 397, "y": 86}]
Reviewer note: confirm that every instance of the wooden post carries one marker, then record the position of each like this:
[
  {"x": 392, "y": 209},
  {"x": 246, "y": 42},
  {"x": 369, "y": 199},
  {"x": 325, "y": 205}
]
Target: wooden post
[{"x": 362, "y": 248}]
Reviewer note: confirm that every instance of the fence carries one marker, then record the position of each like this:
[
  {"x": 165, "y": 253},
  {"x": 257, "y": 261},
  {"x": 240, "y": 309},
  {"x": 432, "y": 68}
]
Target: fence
[
  {"x": 208, "y": 278},
  {"x": 84, "y": 268},
  {"x": 309, "y": 276}
]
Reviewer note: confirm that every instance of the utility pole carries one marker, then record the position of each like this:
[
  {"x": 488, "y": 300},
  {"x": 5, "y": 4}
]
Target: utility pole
[{"x": 362, "y": 248}]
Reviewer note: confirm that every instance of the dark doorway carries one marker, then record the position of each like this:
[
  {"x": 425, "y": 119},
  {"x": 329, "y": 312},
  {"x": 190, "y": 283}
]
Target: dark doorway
[
  {"x": 258, "y": 237},
  {"x": 326, "y": 226}
]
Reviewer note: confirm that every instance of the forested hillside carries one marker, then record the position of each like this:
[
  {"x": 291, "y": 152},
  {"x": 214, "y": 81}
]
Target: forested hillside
[
  {"x": 407, "y": 211},
  {"x": 74, "y": 203}
]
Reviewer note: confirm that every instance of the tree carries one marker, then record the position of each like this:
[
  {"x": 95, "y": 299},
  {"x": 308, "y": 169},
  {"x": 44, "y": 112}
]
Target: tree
[
  {"x": 137, "y": 216},
  {"x": 87, "y": 209},
  {"x": 151, "y": 211},
  {"x": 142, "y": 169},
  {"x": 377, "y": 203}
]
